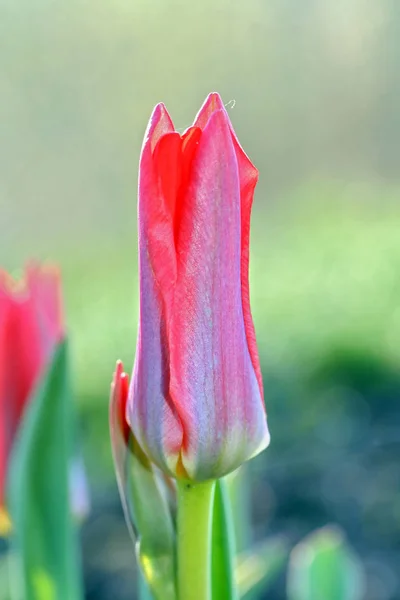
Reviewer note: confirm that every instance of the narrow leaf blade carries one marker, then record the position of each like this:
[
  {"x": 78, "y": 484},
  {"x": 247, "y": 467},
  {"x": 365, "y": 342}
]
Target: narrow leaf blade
[
  {"x": 223, "y": 545},
  {"x": 144, "y": 498},
  {"x": 156, "y": 535},
  {"x": 44, "y": 536}
]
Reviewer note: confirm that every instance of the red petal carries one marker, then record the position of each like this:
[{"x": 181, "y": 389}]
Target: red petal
[
  {"x": 118, "y": 438},
  {"x": 30, "y": 326},
  {"x": 213, "y": 382},
  {"x": 248, "y": 176},
  {"x": 119, "y": 397},
  {"x": 167, "y": 158},
  {"x": 156, "y": 235},
  {"x": 212, "y": 103},
  {"x": 152, "y": 415}
]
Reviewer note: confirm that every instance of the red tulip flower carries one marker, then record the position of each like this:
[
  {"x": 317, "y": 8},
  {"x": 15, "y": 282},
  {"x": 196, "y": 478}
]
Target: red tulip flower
[
  {"x": 30, "y": 327},
  {"x": 196, "y": 397}
]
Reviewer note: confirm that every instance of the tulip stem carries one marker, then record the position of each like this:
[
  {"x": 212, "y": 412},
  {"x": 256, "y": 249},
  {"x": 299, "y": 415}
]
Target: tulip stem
[{"x": 195, "y": 512}]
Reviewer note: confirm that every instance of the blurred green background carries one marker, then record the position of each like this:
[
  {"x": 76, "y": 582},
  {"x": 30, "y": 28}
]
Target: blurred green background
[{"x": 314, "y": 92}]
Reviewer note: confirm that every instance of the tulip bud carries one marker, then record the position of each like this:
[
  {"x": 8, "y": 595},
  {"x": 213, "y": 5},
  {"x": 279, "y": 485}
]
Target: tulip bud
[
  {"x": 196, "y": 398},
  {"x": 31, "y": 326}
]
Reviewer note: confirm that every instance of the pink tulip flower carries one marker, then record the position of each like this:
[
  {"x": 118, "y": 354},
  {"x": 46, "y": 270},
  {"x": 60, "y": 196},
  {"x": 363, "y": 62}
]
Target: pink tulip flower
[
  {"x": 31, "y": 326},
  {"x": 195, "y": 401}
]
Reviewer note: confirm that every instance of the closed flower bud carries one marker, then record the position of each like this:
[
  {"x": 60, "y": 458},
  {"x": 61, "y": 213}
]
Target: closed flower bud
[{"x": 196, "y": 402}]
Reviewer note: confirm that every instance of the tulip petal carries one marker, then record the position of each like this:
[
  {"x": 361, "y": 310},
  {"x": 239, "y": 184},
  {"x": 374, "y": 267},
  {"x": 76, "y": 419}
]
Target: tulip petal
[
  {"x": 248, "y": 176},
  {"x": 213, "y": 382},
  {"x": 196, "y": 397},
  {"x": 173, "y": 156},
  {"x": 212, "y": 103},
  {"x": 151, "y": 412},
  {"x": 119, "y": 433},
  {"x": 144, "y": 498},
  {"x": 44, "y": 288},
  {"x": 155, "y": 215},
  {"x": 30, "y": 328},
  {"x": 167, "y": 163},
  {"x": 5, "y": 422}
]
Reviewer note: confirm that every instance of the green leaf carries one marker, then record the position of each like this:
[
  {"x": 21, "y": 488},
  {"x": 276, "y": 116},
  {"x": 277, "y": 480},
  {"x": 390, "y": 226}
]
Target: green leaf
[
  {"x": 155, "y": 547},
  {"x": 223, "y": 545},
  {"x": 239, "y": 488},
  {"x": 44, "y": 536},
  {"x": 257, "y": 569},
  {"x": 4, "y": 575},
  {"x": 144, "y": 496},
  {"x": 323, "y": 566}
]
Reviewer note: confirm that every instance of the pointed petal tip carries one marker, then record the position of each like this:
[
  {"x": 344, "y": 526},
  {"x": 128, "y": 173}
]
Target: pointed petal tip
[
  {"x": 160, "y": 123},
  {"x": 214, "y": 100},
  {"x": 212, "y": 103},
  {"x": 159, "y": 110},
  {"x": 119, "y": 377},
  {"x": 119, "y": 399},
  {"x": 119, "y": 366},
  {"x": 218, "y": 125}
]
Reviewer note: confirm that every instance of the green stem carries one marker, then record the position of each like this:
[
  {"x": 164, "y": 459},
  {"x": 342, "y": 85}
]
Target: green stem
[{"x": 195, "y": 511}]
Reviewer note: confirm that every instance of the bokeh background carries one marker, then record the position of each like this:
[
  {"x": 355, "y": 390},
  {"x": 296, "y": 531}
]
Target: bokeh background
[{"x": 313, "y": 89}]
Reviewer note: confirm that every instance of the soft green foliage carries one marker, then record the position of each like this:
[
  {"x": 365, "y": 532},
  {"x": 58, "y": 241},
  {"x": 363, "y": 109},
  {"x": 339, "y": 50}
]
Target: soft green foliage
[
  {"x": 46, "y": 562},
  {"x": 4, "y": 588},
  {"x": 257, "y": 565},
  {"x": 257, "y": 569},
  {"x": 323, "y": 566},
  {"x": 239, "y": 490},
  {"x": 223, "y": 545},
  {"x": 152, "y": 519},
  {"x": 145, "y": 494}
]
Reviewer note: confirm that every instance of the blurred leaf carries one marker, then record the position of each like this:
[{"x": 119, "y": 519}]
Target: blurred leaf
[
  {"x": 4, "y": 574},
  {"x": 323, "y": 566},
  {"x": 145, "y": 502},
  {"x": 47, "y": 553},
  {"x": 223, "y": 545},
  {"x": 239, "y": 489},
  {"x": 156, "y": 542},
  {"x": 257, "y": 569}
]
